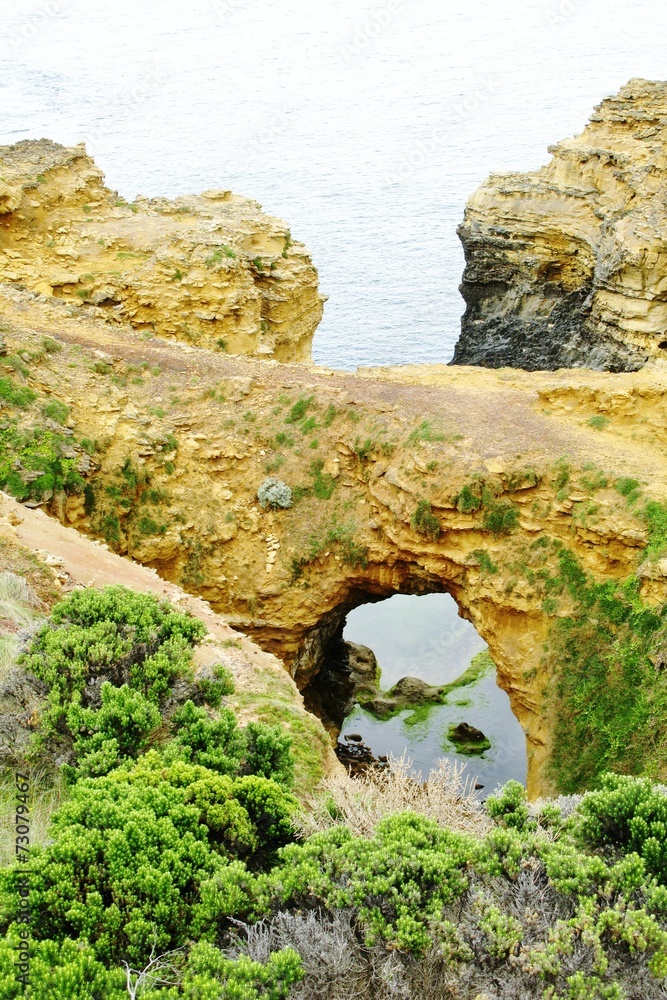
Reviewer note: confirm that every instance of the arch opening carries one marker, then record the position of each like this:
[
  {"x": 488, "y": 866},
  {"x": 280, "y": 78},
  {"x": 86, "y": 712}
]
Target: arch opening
[{"x": 408, "y": 674}]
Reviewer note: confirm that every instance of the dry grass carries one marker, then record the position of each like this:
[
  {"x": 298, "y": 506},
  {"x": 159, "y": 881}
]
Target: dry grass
[
  {"x": 336, "y": 963},
  {"x": 45, "y": 796},
  {"x": 19, "y": 608},
  {"x": 360, "y": 803},
  {"x": 17, "y": 600}
]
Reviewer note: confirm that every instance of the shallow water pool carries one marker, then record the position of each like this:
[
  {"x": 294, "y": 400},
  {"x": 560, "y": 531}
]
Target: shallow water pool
[{"x": 425, "y": 637}]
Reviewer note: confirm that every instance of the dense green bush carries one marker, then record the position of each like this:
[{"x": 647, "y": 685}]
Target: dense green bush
[
  {"x": 398, "y": 881},
  {"x": 119, "y": 730},
  {"x": 630, "y": 815},
  {"x": 59, "y": 970},
  {"x": 425, "y": 522},
  {"x": 179, "y": 824},
  {"x": 132, "y": 849},
  {"x": 133, "y": 638}
]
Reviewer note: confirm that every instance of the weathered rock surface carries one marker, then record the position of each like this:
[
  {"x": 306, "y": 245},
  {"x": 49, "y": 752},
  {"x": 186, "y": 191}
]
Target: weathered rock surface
[
  {"x": 348, "y": 671},
  {"x": 567, "y": 266},
  {"x": 202, "y": 431},
  {"x": 211, "y": 269}
]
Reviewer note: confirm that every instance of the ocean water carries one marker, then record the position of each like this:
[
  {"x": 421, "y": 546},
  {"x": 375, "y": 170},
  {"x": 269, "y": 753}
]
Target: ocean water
[
  {"x": 425, "y": 637},
  {"x": 365, "y": 125}
]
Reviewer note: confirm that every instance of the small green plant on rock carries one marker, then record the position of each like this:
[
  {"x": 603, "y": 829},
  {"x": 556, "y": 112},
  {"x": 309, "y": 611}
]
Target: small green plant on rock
[
  {"x": 425, "y": 522},
  {"x": 501, "y": 517}
]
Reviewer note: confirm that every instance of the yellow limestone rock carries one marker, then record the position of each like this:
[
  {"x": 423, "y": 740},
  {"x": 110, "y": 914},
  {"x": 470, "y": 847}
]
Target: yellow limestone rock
[
  {"x": 567, "y": 266},
  {"x": 213, "y": 270},
  {"x": 402, "y": 437}
]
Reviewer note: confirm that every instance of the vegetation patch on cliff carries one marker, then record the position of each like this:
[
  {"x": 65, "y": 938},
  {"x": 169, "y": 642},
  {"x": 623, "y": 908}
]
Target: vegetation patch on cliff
[{"x": 607, "y": 659}]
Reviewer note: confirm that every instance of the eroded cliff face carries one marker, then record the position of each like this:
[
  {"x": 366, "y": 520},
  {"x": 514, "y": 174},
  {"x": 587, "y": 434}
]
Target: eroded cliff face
[
  {"x": 212, "y": 270},
  {"x": 404, "y": 481},
  {"x": 566, "y": 266}
]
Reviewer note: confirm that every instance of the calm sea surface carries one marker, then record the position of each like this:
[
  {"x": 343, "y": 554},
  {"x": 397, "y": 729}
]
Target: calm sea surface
[{"x": 365, "y": 126}]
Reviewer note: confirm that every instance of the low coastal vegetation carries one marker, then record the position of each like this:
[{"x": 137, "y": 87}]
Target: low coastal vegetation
[{"x": 180, "y": 860}]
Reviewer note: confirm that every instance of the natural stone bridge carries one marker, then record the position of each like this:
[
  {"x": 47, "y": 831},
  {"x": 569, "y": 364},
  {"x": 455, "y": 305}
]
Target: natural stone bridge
[{"x": 405, "y": 481}]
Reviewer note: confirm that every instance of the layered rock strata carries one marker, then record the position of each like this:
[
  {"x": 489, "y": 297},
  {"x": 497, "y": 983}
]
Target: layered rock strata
[
  {"x": 416, "y": 480},
  {"x": 212, "y": 270},
  {"x": 567, "y": 266}
]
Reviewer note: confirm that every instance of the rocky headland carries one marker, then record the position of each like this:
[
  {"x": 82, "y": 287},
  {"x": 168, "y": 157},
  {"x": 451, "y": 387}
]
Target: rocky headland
[
  {"x": 212, "y": 270},
  {"x": 566, "y": 266}
]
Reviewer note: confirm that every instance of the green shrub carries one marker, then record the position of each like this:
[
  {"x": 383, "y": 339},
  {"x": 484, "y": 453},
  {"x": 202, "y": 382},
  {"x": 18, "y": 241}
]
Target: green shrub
[
  {"x": 655, "y": 516},
  {"x": 15, "y": 395},
  {"x": 425, "y": 522},
  {"x": 119, "y": 730},
  {"x": 114, "y": 635},
  {"x": 217, "y": 744},
  {"x": 486, "y": 563},
  {"x": 628, "y": 488},
  {"x": 509, "y": 807},
  {"x": 323, "y": 483},
  {"x": 425, "y": 432},
  {"x": 329, "y": 415},
  {"x": 469, "y": 498},
  {"x": 131, "y": 851},
  {"x": 213, "y": 689},
  {"x": 57, "y": 411},
  {"x": 213, "y": 976},
  {"x": 268, "y": 753},
  {"x": 630, "y": 815},
  {"x": 501, "y": 517},
  {"x": 364, "y": 449},
  {"x": 298, "y": 411},
  {"x": 398, "y": 880},
  {"x": 598, "y": 422},
  {"x": 59, "y": 970}
]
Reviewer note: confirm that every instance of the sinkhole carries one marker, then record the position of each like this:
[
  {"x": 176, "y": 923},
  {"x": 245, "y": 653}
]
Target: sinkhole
[{"x": 409, "y": 676}]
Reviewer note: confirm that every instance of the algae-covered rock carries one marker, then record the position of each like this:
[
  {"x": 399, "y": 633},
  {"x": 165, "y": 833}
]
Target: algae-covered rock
[
  {"x": 407, "y": 693},
  {"x": 468, "y": 740}
]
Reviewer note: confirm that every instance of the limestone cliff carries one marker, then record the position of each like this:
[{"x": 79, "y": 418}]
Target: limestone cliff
[
  {"x": 567, "y": 266},
  {"x": 403, "y": 480},
  {"x": 212, "y": 270}
]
